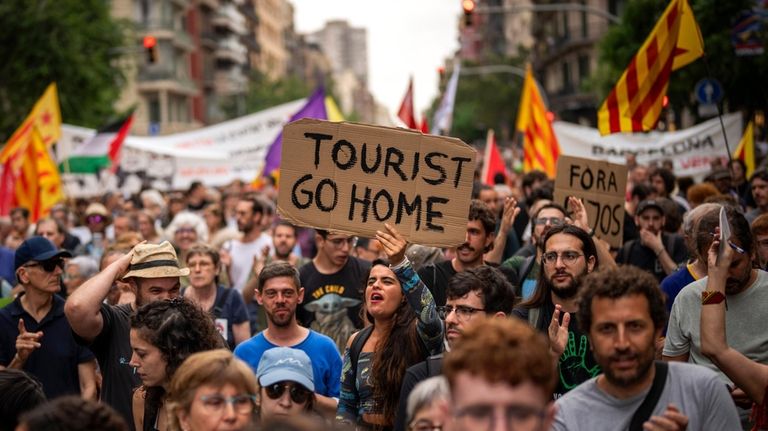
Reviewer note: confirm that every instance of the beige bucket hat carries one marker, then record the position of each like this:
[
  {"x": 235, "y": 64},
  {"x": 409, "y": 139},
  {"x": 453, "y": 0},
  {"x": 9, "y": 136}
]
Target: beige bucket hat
[{"x": 155, "y": 261}]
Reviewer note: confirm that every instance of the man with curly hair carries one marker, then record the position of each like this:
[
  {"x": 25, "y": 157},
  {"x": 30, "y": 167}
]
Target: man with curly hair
[
  {"x": 623, "y": 312},
  {"x": 152, "y": 271}
]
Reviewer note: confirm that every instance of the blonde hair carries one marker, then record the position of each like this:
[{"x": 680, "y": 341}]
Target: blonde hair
[{"x": 214, "y": 367}]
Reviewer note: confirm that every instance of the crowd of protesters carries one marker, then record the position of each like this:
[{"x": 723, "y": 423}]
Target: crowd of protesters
[{"x": 203, "y": 310}]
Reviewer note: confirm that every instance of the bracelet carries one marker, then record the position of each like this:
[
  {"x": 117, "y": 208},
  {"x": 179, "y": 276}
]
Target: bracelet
[
  {"x": 660, "y": 251},
  {"x": 710, "y": 297}
]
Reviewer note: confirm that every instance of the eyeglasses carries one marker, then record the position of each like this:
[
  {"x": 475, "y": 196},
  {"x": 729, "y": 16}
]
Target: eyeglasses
[
  {"x": 216, "y": 403},
  {"x": 299, "y": 395},
  {"x": 94, "y": 218},
  {"x": 568, "y": 257},
  {"x": 553, "y": 221},
  {"x": 48, "y": 265},
  {"x": 463, "y": 312},
  {"x": 339, "y": 242},
  {"x": 424, "y": 425},
  {"x": 185, "y": 230},
  {"x": 483, "y": 417}
]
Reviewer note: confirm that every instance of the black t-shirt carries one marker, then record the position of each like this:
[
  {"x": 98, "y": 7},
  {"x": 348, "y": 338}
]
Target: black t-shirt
[
  {"x": 413, "y": 376},
  {"x": 436, "y": 278},
  {"x": 636, "y": 254},
  {"x": 332, "y": 302},
  {"x": 112, "y": 348},
  {"x": 576, "y": 365}
]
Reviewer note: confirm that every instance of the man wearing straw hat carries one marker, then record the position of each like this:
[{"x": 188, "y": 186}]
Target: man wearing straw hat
[{"x": 152, "y": 271}]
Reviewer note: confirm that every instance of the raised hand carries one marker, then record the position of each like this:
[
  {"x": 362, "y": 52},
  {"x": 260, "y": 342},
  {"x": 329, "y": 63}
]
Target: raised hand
[
  {"x": 27, "y": 342},
  {"x": 578, "y": 213},
  {"x": 393, "y": 243},
  {"x": 558, "y": 333},
  {"x": 511, "y": 211}
]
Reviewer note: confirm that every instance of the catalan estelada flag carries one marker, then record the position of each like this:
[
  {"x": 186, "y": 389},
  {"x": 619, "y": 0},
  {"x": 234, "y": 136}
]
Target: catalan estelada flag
[
  {"x": 45, "y": 116},
  {"x": 540, "y": 147},
  {"x": 635, "y": 102},
  {"x": 37, "y": 184},
  {"x": 746, "y": 149}
]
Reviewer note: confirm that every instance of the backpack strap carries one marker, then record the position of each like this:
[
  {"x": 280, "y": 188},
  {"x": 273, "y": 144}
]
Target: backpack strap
[
  {"x": 434, "y": 365},
  {"x": 533, "y": 316},
  {"x": 218, "y": 306},
  {"x": 357, "y": 347},
  {"x": 643, "y": 413},
  {"x": 525, "y": 268}
]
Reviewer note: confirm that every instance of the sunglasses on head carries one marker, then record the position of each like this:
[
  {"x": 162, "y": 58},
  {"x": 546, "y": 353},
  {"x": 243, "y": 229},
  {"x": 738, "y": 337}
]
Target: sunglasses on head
[
  {"x": 48, "y": 265},
  {"x": 299, "y": 394},
  {"x": 94, "y": 218}
]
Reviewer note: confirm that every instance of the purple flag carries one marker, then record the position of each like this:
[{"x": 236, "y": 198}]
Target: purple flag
[{"x": 314, "y": 108}]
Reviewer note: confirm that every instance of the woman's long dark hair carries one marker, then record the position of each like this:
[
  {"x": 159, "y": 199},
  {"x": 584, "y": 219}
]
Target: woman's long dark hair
[
  {"x": 397, "y": 351},
  {"x": 178, "y": 328}
]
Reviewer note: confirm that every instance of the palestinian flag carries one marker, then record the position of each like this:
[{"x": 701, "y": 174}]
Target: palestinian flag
[{"x": 102, "y": 151}]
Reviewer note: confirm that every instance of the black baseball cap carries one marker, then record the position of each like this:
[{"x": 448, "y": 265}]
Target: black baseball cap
[
  {"x": 649, "y": 203},
  {"x": 38, "y": 249}
]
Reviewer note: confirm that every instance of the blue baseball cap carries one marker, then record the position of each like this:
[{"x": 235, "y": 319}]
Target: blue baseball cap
[
  {"x": 38, "y": 249},
  {"x": 281, "y": 364}
]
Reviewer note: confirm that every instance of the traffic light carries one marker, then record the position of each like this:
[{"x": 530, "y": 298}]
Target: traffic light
[
  {"x": 441, "y": 72},
  {"x": 469, "y": 8},
  {"x": 150, "y": 46}
]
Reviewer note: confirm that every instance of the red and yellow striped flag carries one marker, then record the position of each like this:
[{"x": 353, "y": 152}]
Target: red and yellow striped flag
[
  {"x": 540, "y": 147},
  {"x": 38, "y": 185},
  {"x": 746, "y": 149},
  {"x": 45, "y": 116},
  {"x": 635, "y": 102}
]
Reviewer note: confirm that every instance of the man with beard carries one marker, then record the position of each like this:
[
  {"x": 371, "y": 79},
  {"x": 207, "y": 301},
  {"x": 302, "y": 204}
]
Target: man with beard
[
  {"x": 759, "y": 185},
  {"x": 746, "y": 292},
  {"x": 152, "y": 272},
  {"x": 279, "y": 294},
  {"x": 545, "y": 217},
  {"x": 479, "y": 240},
  {"x": 238, "y": 255},
  {"x": 284, "y": 239},
  {"x": 657, "y": 252},
  {"x": 623, "y": 312},
  {"x": 472, "y": 295},
  {"x": 568, "y": 254}
]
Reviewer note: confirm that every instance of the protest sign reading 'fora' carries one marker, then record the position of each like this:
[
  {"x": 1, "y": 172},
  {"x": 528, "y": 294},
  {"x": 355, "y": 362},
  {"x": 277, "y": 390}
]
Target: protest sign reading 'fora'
[
  {"x": 352, "y": 178},
  {"x": 601, "y": 187}
]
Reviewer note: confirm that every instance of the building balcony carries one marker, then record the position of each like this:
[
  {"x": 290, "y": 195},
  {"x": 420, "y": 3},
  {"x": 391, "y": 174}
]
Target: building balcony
[
  {"x": 249, "y": 12},
  {"x": 208, "y": 39},
  {"x": 229, "y": 50},
  {"x": 230, "y": 18},
  {"x": 154, "y": 78}
]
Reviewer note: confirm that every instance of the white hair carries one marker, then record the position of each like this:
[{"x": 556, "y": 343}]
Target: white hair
[
  {"x": 87, "y": 266},
  {"x": 424, "y": 394},
  {"x": 186, "y": 218},
  {"x": 154, "y": 196}
]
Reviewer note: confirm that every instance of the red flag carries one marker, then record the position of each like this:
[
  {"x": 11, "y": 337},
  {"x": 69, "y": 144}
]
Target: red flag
[
  {"x": 424, "y": 124},
  {"x": 406, "y": 108},
  {"x": 492, "y": 162}
]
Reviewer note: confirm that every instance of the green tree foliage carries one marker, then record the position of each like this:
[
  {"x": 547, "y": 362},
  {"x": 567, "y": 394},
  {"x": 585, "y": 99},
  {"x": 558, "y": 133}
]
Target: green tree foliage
[
  {"x": 72, "y": 42},
  {"x": 264, "y": 93},
  {"x": 742, "y": 77},
  {"x": 484, "y": 101}
]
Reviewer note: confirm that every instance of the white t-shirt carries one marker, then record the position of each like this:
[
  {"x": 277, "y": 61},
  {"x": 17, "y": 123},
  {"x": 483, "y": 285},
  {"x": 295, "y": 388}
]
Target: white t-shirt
[{"x": 242, "y": 257}]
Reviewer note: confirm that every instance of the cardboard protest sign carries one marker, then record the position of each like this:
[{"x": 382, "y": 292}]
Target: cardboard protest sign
[
  {"x": 351, "y": 178},
  {"x": 601, "y": 186}
]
